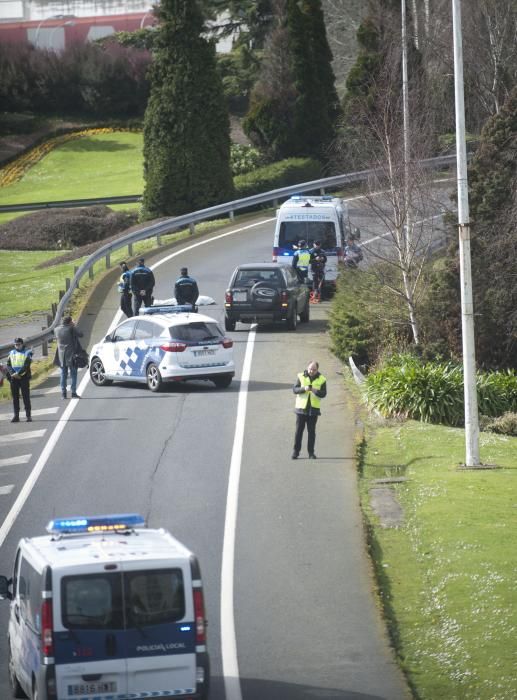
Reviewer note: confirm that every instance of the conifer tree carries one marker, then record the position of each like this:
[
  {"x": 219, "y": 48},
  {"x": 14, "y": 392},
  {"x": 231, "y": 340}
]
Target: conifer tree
[{"x": 186, "y": 126}]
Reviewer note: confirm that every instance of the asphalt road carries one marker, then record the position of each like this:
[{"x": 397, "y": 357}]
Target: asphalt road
[{"x": 302, "y": 613}]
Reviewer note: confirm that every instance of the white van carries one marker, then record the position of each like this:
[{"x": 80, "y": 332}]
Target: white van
[
  {"x": 106, "y": 608},
  {"x": 312, "y": 218}
]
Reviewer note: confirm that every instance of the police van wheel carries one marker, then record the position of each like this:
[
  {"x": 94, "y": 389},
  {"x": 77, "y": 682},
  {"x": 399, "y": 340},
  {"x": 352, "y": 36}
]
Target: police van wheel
[
  {"x": 154, "y": 378},
  {"x": 292, "y": 320},
  {"x": 98, "y": 373},
  {"x": 16, "y": 688}
]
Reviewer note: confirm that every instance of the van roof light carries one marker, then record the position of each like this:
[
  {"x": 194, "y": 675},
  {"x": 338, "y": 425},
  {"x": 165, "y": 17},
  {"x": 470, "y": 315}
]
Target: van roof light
[{"x": 92, "y": 524}]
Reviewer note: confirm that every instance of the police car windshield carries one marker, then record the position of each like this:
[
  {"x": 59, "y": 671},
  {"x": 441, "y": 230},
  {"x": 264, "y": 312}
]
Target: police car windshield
[
  {"x": 196, "y": 331},
  {"x": 293, "y": 231},
  {"x": 135, "y": 599}
]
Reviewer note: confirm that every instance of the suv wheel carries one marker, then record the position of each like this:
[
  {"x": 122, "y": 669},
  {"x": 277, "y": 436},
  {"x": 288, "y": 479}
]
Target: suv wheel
[
  {"x": 304, "y": 316},
  {"x": 292, "y": 319},
  {"x": 229, "y": 323},
  {"x": 154, "y": 378}
]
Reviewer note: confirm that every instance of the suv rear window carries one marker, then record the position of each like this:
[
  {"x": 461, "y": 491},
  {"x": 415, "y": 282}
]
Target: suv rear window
[
  {"x": 99, "y": 601},
  {"x": 247, "y": 278},
  {"x": 196, "y": 331}
]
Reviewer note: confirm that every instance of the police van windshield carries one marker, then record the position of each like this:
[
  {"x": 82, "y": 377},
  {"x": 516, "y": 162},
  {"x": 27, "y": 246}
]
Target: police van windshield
[
  {"x": 121, "y": 601},
  {"x": 293, "y": 231}
]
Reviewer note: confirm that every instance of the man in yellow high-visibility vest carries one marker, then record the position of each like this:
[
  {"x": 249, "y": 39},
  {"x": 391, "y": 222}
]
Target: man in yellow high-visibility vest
[{"x": 310, "y": 388}]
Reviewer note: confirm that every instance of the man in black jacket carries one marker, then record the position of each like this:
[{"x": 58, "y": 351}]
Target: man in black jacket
[{"x": 142, "y": 285}]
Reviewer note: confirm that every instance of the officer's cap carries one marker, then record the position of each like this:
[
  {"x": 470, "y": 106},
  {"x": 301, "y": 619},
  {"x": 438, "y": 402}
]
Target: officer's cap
[
  {"x": 18, "y": 340},
  {"x": 301, "y": 243}
]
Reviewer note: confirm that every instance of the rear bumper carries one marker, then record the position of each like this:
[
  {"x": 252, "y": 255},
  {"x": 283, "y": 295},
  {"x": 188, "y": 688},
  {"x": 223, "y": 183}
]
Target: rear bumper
[{"x": 252, "y": 315}]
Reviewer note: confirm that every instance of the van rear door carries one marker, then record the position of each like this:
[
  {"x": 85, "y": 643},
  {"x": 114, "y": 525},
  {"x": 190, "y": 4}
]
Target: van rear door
[
  {"x": 160, "y": 629},
  {"x": 89, "y": 637}
]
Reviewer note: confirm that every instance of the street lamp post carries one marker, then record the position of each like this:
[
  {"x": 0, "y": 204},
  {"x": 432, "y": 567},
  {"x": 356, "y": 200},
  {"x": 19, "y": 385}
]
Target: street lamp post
[{"x": 467, "y": 308}]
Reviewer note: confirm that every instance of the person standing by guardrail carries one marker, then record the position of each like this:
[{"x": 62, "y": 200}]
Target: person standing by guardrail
[
  {"x": 19, "y": 376},
  {"x": 124, "y": 287},
  {"x": 142, "y": 285},
  {"x": 67, "y": 336}
]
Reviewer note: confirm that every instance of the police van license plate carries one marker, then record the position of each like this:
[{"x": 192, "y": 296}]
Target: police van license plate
[
  {"x": 92, "y": 688},
  {"x": 240, "y": 296}
]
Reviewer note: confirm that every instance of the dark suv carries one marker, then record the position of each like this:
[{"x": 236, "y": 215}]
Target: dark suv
[{"x": 266, "y": 292}]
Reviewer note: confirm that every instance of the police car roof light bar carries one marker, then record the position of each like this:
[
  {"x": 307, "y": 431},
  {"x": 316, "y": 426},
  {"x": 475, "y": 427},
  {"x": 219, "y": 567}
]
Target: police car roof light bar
[
  {"x": 93, "y": 524},
  {"x": 168, "y": 309}
]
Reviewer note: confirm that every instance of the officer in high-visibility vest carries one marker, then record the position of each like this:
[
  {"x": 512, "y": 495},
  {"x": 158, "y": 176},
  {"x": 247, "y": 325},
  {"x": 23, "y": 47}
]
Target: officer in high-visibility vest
[
  {"x": 302, "y": 260},
  {"x": 310, "y": 388},
  {"x": 19, "y": 376}
]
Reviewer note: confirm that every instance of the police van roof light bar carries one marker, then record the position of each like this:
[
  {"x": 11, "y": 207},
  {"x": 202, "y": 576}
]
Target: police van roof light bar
[{"x": 95, "y": 524}]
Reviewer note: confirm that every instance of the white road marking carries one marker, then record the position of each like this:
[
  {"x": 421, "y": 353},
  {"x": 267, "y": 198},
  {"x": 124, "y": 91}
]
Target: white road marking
[
  {"x": 5, "y": 490},
  {"x": 228, "y": 642},
  {"x": 17, "y": 437},
  {"x": 52, "y": 390},
  {"x": 12, "y": 461},
  {"x": 37, "y": 412}
]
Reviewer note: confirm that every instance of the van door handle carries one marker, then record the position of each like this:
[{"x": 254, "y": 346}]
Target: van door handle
[{"x": 111, "y": 645}]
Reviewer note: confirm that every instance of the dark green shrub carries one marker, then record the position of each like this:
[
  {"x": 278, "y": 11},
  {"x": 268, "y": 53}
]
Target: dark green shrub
[{"x": 281, "y": 174}]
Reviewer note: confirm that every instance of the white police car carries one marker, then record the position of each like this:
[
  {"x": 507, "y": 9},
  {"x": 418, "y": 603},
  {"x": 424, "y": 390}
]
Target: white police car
[
  {"x": 105, "y": 608},
  {"x": 164, "y": 344}
]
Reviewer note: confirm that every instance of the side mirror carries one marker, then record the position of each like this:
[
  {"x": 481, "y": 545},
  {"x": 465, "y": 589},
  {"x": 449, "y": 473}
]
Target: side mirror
[
  {"x": 108, "y": 338},
  {"x": 5, "y": 584}
]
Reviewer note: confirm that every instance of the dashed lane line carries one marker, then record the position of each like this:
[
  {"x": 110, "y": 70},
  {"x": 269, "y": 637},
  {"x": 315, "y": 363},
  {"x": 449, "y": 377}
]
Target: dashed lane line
[
  {"x": 18, "y": 437},
  {"x": 6, "y": 490},
  {"x": 37, "y": 412},
  {"x": 13, "y": 461}
]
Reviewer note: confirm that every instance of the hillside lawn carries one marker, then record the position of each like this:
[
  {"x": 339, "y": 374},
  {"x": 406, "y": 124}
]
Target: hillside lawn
[{"x": 448, "y": 573}]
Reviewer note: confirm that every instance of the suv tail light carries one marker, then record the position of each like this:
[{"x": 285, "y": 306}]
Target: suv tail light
[
  {"x": 228, "y": 297},
  {"x": 47, "y": 634},
  {"x": 284, "y": 298},
  {"x": 173, "y": 347},
  {"x": 227, "y": 343},
  {"x": 199, "y": 614}
]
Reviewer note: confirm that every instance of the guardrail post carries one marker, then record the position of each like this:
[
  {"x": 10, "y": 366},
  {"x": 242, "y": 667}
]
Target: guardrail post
[
  {"x": 75, "y": 272},
  {"x": 192, "y": 228},
  {"x": 54, "y": 310},
  {"x": 130, "y": 250},
  {"x": 61, "y": 294},
  {"x": 108, "y": 261},
  {"x": 275, "y": 203},
  {"x": 232, "y": 215},
  {"x": 44, "y": 344},
  {"x": 90, "y": 272},
  {"x": 322, "y": 190},
  {"x": 158, "y": 240},
  {"x": 67, "y": 284}
]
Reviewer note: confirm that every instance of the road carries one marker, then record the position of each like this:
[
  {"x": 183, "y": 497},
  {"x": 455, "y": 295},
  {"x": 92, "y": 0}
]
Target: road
[{"x": 287, "y": 581}]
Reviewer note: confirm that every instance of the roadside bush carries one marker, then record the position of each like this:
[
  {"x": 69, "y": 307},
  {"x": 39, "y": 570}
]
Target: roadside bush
[
  {"x": 503, "y": 425},
  {"x": 433, "y": 392},
  {"x": 280, "y": 174},
  {"x": 244, "y": 159}
]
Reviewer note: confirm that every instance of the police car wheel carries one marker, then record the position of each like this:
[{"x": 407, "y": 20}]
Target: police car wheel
[
  {"x": 154, "y": 378},
  {"x": 98, "y": 373},
  {"x": 16, "y": 688},
  {"x": 223, "y": 381}
]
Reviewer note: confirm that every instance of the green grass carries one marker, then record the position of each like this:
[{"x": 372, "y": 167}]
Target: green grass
[{"x": 447, "y": 575}]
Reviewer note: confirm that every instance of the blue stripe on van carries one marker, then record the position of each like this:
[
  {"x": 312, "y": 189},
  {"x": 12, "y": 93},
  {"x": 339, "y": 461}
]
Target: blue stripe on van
[{"x": 83, "y": 646}]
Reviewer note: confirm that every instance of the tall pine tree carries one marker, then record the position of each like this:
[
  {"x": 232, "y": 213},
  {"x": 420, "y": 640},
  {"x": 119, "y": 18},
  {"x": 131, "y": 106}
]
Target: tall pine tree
[{"x": 186, "y": 126}]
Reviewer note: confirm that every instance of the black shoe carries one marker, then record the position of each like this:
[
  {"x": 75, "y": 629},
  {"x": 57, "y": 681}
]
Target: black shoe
[
  {"x": 312, "y": 455},
  {"x": 15, "y": 419},
  {"x": 29, "y": 419},
  {"x": 63, "y": 396},
  {"x": 295, "y": 455},
  {"x": 75, "y": 396}
]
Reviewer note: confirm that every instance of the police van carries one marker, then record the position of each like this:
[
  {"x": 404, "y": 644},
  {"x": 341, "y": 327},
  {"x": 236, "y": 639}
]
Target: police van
[
  {"x": 312, "y": 218},
  {"x": 105, "y": 608}
]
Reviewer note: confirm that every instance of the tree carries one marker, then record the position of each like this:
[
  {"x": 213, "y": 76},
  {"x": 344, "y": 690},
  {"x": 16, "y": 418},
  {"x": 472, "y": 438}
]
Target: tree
[
  {"x": 294, "y": 103},
  {"x": 186, "y": 126}
]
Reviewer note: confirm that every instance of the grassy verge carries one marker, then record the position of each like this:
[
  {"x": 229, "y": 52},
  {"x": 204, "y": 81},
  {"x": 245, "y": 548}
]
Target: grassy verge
[{"x": 447, "y": 574}]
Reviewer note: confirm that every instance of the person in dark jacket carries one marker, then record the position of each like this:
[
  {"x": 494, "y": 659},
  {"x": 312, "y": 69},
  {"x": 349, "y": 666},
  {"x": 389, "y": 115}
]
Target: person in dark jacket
[
  {"x": 124, "y": 287},
  {"x": 186, "y": 290},
  {"x": 318, "y": 262},
  {"x": 142, "y": 285},
  {"x": 19, "y": 376},
  {"x": 310, "y": 388},
  {"x": 68, "y": 344}
]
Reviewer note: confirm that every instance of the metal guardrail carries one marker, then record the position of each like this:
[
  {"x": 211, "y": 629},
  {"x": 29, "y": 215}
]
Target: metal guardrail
[
  {"x": 70, "y": 203},
  {"x": 189, "y": 220}
]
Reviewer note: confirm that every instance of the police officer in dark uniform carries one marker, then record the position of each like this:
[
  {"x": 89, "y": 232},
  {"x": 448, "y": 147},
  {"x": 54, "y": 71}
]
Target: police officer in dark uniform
[
  {"x": 142, "y": 285},
  {"x": 318, "y": 262},
  {"x": 19, "y": 375},
  {"x": 124, "y": 287},
  {"x": 185, "y": 289}
]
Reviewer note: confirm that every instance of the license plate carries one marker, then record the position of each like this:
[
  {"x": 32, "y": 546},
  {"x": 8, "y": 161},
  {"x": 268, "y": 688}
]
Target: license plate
[
  {"x": 240, "y": 296},
  {"x": 92, "y": 688},
  {"x": 203, "y": 353}
]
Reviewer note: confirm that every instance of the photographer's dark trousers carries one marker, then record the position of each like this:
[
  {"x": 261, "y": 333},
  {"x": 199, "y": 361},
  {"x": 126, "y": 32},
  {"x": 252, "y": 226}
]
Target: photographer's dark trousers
[
  {"x": 302, "y": 420},
  {"x": 22, "y": 384}
]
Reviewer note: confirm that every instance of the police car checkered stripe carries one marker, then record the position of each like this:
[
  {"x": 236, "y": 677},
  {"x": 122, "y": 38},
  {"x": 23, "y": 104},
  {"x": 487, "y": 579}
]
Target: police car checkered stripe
[{"x": 136, "y": 696}]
